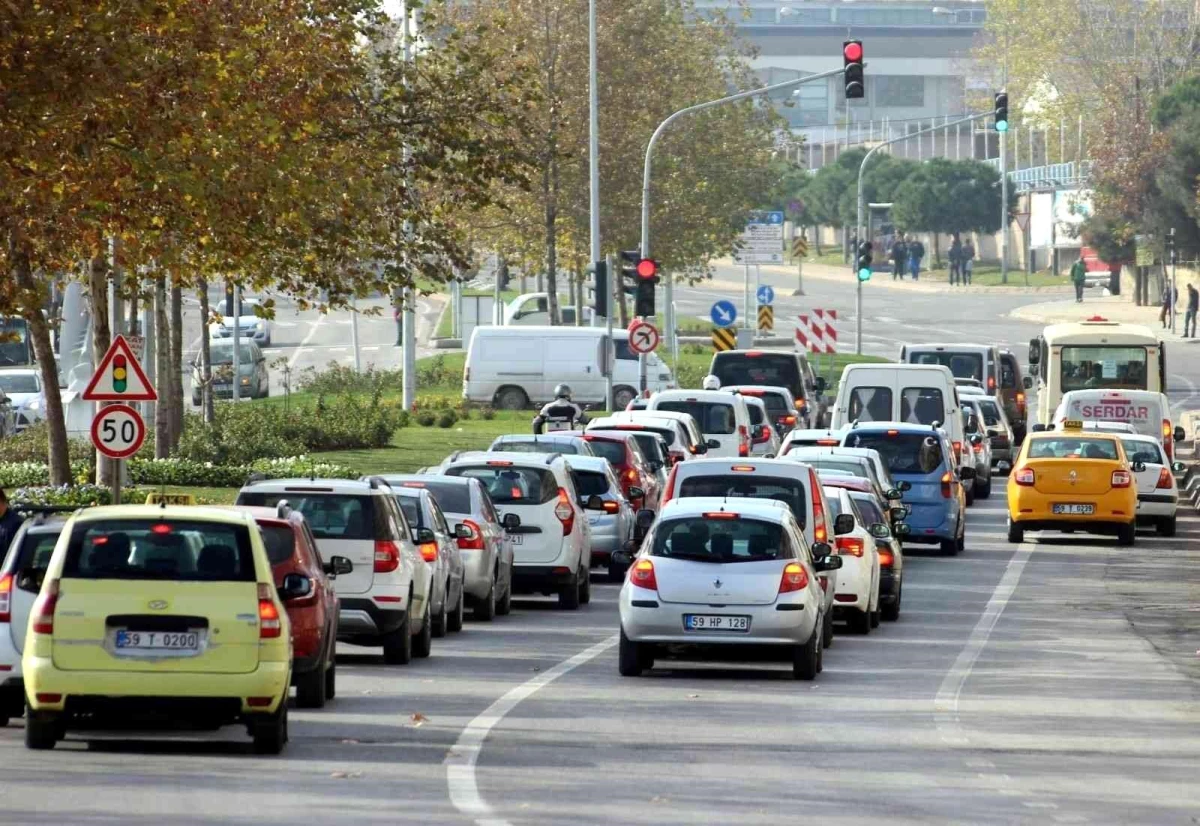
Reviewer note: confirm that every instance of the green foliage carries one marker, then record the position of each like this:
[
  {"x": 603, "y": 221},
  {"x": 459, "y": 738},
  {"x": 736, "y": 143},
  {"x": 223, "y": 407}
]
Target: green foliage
[
  {"x": 340, "y": 378},
  {"x": 487, "y": 413},
  {"x": 60, "y": 496},
  {"x": 26, "y": 473},
  {"x": 185, "y": 472},
  {"x": 33, "y": 444},
  {"x": 947, "y": 197},
  {"x": 447, "y": 418},
  {"x": 1112, "y": 240},
  {"x": 426, "y": 418}
]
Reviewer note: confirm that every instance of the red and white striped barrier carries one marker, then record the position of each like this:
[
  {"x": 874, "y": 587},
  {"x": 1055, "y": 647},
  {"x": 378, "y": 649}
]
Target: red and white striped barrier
[{"x": 815, "y": 331}]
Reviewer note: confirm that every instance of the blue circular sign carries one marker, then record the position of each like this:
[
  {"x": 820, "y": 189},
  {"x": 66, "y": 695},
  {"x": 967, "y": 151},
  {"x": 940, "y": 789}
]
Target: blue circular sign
[
  {"x": 723, "y": 313},
  {"x": 766, "y": 295}
]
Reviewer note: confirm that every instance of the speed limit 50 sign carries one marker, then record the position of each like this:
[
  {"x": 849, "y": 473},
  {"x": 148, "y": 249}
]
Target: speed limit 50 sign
[{"x": 118, "y": 431}]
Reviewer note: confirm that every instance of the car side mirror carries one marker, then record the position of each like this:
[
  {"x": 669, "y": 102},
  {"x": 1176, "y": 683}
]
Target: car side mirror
[
  {"x": 893, "y": 494},
  {"x": 644, "y": 519},
  {"x": 1027, "y": 382},
  {"x": 820, "y": 550},
  {"x": 821, "y": 384},
  {"x": 338, "y": 565},
  {"x": 425, "y": 535},
  {"x": 712, "y": 444},
  {"x": 634, "y": 493},
  {"x": 966, "y": 473},
  {"x": 510, "y": 521},
  {"x": 828, "y": 563},
  {"x": 759, "y": 434},
  {"x": 462, "y": 531},
  {"x": 1039, "y": 428},
  {"x": 1180, "y": 433},
  {"x": 595, "y": 503},
  {"x": 1139, "y": 467},
  {"x": 1178, "y": 467},
  {"x": 880, "y": 531},
  {"x": 843, "y": 525},
  {"x": 295, "y": 586},
  {"x": 897, "y": 513},
  {"x": 902, "y": 529}
]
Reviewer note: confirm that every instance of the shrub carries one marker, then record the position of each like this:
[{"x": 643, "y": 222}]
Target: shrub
[
  {"x": 300, "y": 466},
  {"x": 434, "y": 372},
  {"x": 487, "y": 413},
  {"x": 23, "y": 474},
  {"x": 33, "y": 445},
  {"x": 693, "y": 349},
  {"x": 447, "y": 419},
  {"x": 426, "y": 419},
  {"x": 338, "y": 378},
  {"x": 186, "y": 472},
  {"x": 77, "y": 496}
]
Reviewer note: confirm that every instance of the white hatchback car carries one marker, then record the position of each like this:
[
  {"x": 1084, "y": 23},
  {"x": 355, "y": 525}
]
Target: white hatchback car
[
  {"x": 715, "y": 573},
  {"x": 857, "y": 596},
  {"x": 723, "y": 417},
  {"x": 385, "y": 599},
  {"x": 1158, "y": 493},
  {"x": 764, "y": 441},
  {"x": 551, "y": 538}
]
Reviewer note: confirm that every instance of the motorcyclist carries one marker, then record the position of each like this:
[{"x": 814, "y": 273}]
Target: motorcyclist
[
  {"x": 560, "y": 414},
  {"x": 711, "y": 382}
]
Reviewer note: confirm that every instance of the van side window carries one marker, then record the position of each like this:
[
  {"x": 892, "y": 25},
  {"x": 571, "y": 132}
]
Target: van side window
[
  {"x": 1008, "y": 377},
  {"x": 871, "y": 404},
  {"x": 922, "y": 405}
]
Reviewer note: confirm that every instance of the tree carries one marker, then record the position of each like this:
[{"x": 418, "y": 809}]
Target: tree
[{"x": 944, "y": 196}]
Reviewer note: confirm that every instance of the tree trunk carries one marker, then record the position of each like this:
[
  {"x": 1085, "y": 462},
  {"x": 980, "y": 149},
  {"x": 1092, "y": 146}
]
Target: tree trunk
[
  {"x": 937, "y": 252},
  {"x": 817, "y": 239},
  {"x": 39, "y": 331},
  {"x": 101, "y": 341},
  {"x": 176, "y": 367},
  {"x": 162, "y": 362},
  {"x": 550, "y": 176},
  {"x": 206, "y": 396},
  {"x": 133, "y": 326}
]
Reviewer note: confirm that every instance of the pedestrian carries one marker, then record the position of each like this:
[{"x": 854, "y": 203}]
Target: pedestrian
[
  {"x": 967, "y": 261},
  {"x": 398, "y": 316},
  {"x": 954, "y": 256},
  {"x": 9, "y": 523},
  {"x": 916, "y": 251},
  {"x": 899, "y": 257},
  {"x": 1078, "y": 276},
  {"x": 1193, "y": 306},
  {"x": 1168, "y": 302}
]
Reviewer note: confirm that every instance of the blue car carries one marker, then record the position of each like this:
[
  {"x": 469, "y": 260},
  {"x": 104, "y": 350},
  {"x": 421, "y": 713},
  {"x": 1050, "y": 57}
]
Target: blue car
[{"x": 922, "y": 457}]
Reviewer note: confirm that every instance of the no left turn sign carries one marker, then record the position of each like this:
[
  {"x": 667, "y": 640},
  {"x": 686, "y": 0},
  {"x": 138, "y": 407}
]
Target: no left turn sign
[
  {"x": 118, "y": 431},
  {"x": 643, "y": 337}
]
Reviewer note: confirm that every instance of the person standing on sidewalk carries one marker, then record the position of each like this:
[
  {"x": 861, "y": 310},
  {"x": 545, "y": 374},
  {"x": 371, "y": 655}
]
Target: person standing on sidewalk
[
  {"x": 1193, "y": 305},
  {"x": 967, "y": 261},
  {"x": 954, "y": 256},
  {"x": 1169, "y": 299},
  {"x": 1078, "y": 276},
  {"x": 916, "y": 251},
  {"x": 899, "y": 257}
]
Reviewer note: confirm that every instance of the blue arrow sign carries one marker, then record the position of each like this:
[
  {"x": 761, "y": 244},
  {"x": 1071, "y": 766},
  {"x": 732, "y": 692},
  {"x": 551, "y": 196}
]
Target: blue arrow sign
[
  {"x": 766, "y": 295},
  {"x": 724, "y": 313}
]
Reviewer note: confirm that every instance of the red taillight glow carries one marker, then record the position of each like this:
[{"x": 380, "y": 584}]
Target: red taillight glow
[
  {"x": 743, "y": 441},
  {"x": 499, "y": 463},
  {"x": 1121, "y": 479},
  {"x": 820, "y": 531},
  {"x": 1168, "y": 433},
  {"x": 893, "y": 433},
  {"x": 1165, "y": 480},
  {"x": 259, "y": 702},
  {"x": 991, "y": 383},
  {"x": 269, "y": 625},
  {"x": 1020, "y": 400},
  {"x": 957, "y": 451},
  {"x": 160, "y": 529},
  {"x": 848, "y": 545},
  {"x": 726, "y": 515},
  {"x": 473, "y": 541},
  {"x": 565, "y": 512},
  {"x": 6, "y": 583},
  {"x": 886, "y": 558},
  {"x": 827, "y": 442},
  {"x": 756, "y": 393},
  {"x": 1023, "y": 476},
  {"x": 794, "y": 578},
  {"x": 670, "y": 491},
  {"x": 631, "y": 476},
  {"x": 43, "y": 608},
  {"x": 612, "y": 507},
  {"x": 977, "y": 448},
  {"x": 413, "y": 484},
  {"x": 742, "y": 468},
  {"x": 387, "y": 556},
  {"x": 788, "y": 420},
  {"x": 428, "y": 551},
  {"x": 642, "y": 575}
]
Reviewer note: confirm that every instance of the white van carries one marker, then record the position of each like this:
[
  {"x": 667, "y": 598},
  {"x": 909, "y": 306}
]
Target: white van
[
  {"x": 723, "y": 417},
  {"x": 513, "y": 368},
  {"x": 1147, "y": 411},
  {"x": 533, "y": 309}
]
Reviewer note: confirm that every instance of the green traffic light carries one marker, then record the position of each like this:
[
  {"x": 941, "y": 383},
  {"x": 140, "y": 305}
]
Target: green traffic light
[
  {"x": 1001, "y": 126},
  {"x": 864, "y": 274}
]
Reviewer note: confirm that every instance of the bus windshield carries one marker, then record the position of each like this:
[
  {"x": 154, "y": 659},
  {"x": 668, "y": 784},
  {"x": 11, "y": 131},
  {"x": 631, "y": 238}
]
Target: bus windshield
[
  {"x": 15, "y": 348},
  {"x": 1111, "y": 367}
]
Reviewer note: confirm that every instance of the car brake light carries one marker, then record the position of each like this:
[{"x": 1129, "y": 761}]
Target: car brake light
[
  {"x": 742, "y": 468},
  {"x": 743, "y": 441},
  {"x": 564, "y": 511},
  {"x": 473, "y": 541},
  {"x": 788, "y": 420},
  {"x": 670, "y": 491},
  {"x": 800, "y": 403},
  {"x": 991, "y": 382},
  {"x": 630, "y": 427},
  {"x": 387, "y": 556},
  {"x": 957, "y": 451},
  {"x": 43, "y": 608},
  {"x": 160, "y": 528},
  {"x": 6, "y": 583},
  {"x": 1024, "y": 476},
  {"x": 820, "y": 531},
  {"x": 1165, "y": 480},
  {"x": 1168, "y": 439},
  {"x": 977, "y": 448},
  {"x": 612, "y": 507},
  {"x": 642, "y": 575},
  {"x": 413, "y": 484},
  {"x": 720, "y": 515},
  {"x": 947, "y": 477},
  {"x": 756, "y": 393},
  {"x": 1020, "y": 399},
  {"x": 269, "y": 626},
  {"x": 893, "y": 433},
  {"x": 1121, "y": 479},
  {"x": 849, "y": 545},
  {"x": 499, "y": 463},
  {"x": 428, "y": 551},
  {"x": 886, "y": 558},
  {"x": 794, "y": 578},
  {"x": 631, "y": 476}
]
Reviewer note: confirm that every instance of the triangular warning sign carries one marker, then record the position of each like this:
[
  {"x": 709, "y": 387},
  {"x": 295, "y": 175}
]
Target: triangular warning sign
[{"x": 119, "y": 377}]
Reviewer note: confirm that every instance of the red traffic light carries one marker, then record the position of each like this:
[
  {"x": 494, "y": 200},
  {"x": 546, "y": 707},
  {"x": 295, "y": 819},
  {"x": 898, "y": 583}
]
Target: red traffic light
[
  {"x": 853, "y": 51},
  {"x": 647, "y": 268}
]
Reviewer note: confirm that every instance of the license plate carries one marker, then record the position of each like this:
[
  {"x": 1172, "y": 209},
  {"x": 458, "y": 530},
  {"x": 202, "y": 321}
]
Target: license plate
[
  {"x": 165, "y": 642},
  {"x": 716, "y": 622},
  {"x": 517, "y": 538},
  {"x": 1075, "y": 510}
]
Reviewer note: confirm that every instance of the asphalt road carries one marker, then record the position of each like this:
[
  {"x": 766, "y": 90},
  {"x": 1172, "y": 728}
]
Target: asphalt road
[{"x": 1017, "y": 687}]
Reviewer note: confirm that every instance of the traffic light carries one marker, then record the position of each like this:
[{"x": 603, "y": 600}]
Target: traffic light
[
  {"x": 629, "y": 262},
  {"x": 120, "y": 373},
  {"x": 852, "y": 61},
  {"x": 600, "y": 281},
  {"x": 1002, "y": 111},
  {"x": 647, "y": 276},
  {"x": 864, "y": 261}
]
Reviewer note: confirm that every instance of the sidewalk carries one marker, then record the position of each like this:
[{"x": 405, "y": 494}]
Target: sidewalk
[{"x": 1110, "y": 307}]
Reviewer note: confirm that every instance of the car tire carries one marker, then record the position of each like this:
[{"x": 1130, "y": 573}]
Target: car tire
[
  {"x": 859, "y": 621},
  {"x": 454, "y": 622},
  {"x": 310, "y": 689},
  {"x": 821, "y": 648},
  {"x": 485, "y": 608},
  {"x": 397, "y": 645},
  {"x": 806, "y": 657},
  {"x": 1016, "y": 534},
  {"x": 622, "y": 396},
  {"x": 630, "y": 662},
  {"x": 827, "y": 631},
  {"x": 1126, "y": 535},
  {"x": 438, "y": 621},
  {"x": 585, "y": 587},
  {"x": 875, "y": 617},
  {"x": 949, "y": 547},
  {"x": 891, "y": 610},
  {"x": 42, "y": 730},
  {"x": 422, "y": 641},
  {"x": 270, "y": 733},
  {"x": 331, "y": 680},
  {"x": 985, "y": 490},
  {"x": 1166, "y": 526},
  {"x": 971, "y": 495},
  {"x": 960, "y": 544},
  {"x": 568, "y": 595},
  {"x": 504, "y": 606},
  {"x": 511, "y": 398},
  {"x": 616, "y": 571}
]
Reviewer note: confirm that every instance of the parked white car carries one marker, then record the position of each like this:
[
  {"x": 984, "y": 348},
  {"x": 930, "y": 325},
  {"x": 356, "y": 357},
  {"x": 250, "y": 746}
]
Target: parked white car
[
  {"x": 250, "y": 324},
  {"x": 23, "y": 387}
]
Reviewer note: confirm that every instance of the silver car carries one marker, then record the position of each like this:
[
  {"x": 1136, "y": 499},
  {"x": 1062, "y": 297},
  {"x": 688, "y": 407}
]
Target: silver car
[
  {"x": 1000, "y": 432},
  {"x": 483, "y": 545},
  {"x": 438, "y": 546},
  {"x": 612, "y": 527},
  {"x": 715, "y": 573},
  {"x": 565, "y": 443},
  {"x": 979, "y": 445}
]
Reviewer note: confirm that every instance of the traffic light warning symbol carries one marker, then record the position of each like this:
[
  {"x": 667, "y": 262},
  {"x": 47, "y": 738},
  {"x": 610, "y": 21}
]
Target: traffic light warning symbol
[
  {"x": 120, "y": 374},
  {"x": 119, "y": 377}
]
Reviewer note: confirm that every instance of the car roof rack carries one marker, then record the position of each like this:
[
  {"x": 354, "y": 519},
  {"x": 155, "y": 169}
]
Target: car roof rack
[
  {"x": 550, "y": 457},
  {"x": 254, "y": 478},
  {"x": 282, "y": 509},
  {"x": 377, "y": 482}
]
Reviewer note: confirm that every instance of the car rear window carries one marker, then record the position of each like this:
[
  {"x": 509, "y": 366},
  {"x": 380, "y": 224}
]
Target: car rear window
[
  {"x": 1073, "y": 447},
  {"x": 777, "y": 406},
  {"x": 922, "y": 405},
  {"x": 651, "y": 445},
  {"x": 903, "y": 452},
  {"x": 280, "y": 542},
  {"x": 590, "y": 483},
  {"x": 614, "y": 452},
  {"x": 1138, "y": 450},
  {"x": 34, "y": 559},
  {"x": 170, "y": 549},
  {"x": 713, "y": 417},
  {"x": 781, "y": 489},
  {"x": 756, "y": 414},
  {"x": 411, "y": 506},
  {"x": 991, "y": 413},
  {"x": 541, "y": 446},
  {"x": 451, "y": 498},
  {"x": 868, "y": 506},
  {"x": 721, "y": 541},
  {"x": 852, "y": 468},
  {"x": 512, "y": 485},
  {"x": 962, "y": 365},
  {"x": 775, "y": 370},
  {"x": 871, "y": 404},
  {"x": 329, "y": 515}
]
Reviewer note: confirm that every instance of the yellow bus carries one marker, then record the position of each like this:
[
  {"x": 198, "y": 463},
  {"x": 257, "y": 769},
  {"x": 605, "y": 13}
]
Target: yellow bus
[{"x": 1096, "y": 353}]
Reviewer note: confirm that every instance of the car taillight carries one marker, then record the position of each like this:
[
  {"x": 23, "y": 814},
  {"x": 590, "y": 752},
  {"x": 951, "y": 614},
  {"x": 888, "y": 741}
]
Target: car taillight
[
  {"x": 886, "y": 558},
  {"x": 43, "y": 608},
  {"x": 1024, "y": 476},
  {"x": 743, "y": 441},
  {"x": 564, "y": 511},
  {"x": 631, "y": 476},
  {"x": 642, "y": 575},
  {"x": 958, "y": 451},
  {"x": 1121, "y": 479},
  {"x": 794, "y": 578},
  {"x": 473, "y": 541},
  {"x": 848, "y": 545},
  {"x": 612, "y": 507},
  {"x": 947, "y": 477},
  {"x": 1165, "y": 480},
  {"x": 6, "y": 583},
  {"x": 670, "y": 491},
  {"x": 1168, "y": 439},
  {"x": 977, "y": 448},
  {"x": 428, "y": 551},
  {"x": 787, "y": 420},
  {"x": 820, "y": 530},
  {"x": 269, "y": 626},
  {"x": 387, "y": 556}
]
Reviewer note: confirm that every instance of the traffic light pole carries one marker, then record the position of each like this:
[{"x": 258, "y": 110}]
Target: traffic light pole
[
  {"x": 669, "y": 284},
  {"x": 858, "y": 224}
]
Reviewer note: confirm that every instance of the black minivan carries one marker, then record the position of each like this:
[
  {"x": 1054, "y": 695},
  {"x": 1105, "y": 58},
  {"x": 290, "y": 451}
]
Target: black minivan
[{"x": 776, "y": 369}]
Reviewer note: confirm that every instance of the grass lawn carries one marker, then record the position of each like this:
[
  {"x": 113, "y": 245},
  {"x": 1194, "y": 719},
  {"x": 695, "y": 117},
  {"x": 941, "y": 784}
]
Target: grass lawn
[
  {"x": 988, "y": 275},
  {"x": 204, "y": 496}
]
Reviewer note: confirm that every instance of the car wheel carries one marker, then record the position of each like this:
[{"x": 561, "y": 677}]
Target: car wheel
[
  {"x": 568, "y": 595},
  {"x": 271, "y": 732},
  {"x": 41, "y": 730},
  {"x": 1126, "y": 534},
  {"x": 455, "y": 621},
  {"x": 504, "y": 607},
  {"x": 827, "y": 631},
  {"x": 859, "y": 622},
  {"x": 805, "y": 663},
  {"x": 397, "y": 645},
  {"x": 438, "y": 620},
  {"x": 585, "y": 587},
  {"x": 422, "y": 645},
  {"x": 485, "y": 609},
  {"x": 331, "y": 680},
  {"x": 622, "y": 396},
  {"x": 616, "y": 571},
  {"x": 629, "y": 659},
  {"x": 512, "y": 398},
  {"x": 891, "y": 610},
  {"x": 874, "y": 615},
  {"x": 1166, "y": 526},
  {"x": 985, "y": 490},
  {"x": 310, "y": 689},
  {"x": 1016, "y": 533},
  {"x": 821, "y": 647},
  {"x": 949, "y": 547},
  {"x": 960, "y": 545},
  {"x": 971, "y": 495}
]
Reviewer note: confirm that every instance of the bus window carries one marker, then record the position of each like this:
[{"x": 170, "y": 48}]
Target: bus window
[
  {"x": 1116, "y": 367},
  {"x": 15, "y": 348}
]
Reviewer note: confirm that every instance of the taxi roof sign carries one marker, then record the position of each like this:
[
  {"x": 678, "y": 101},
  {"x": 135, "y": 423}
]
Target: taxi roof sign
[
  {"x": 1072, "y": 424},
  {"x": 170, "y": 499}
]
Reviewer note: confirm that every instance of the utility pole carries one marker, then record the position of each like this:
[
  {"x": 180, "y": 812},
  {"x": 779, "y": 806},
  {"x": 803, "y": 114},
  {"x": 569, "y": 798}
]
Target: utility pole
[
  {"x": 410, "y": 315},
  {"x": 593, "y": 159}
]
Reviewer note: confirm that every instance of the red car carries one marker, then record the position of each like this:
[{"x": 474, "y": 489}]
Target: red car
[
  {"x": 314, "y": 615},
  {"x": 623, "y": 452}
]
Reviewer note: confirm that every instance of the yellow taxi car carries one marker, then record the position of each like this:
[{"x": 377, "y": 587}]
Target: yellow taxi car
[
  {"x": 1072, "y": 480},
  {"x": 163, "y": 613}
]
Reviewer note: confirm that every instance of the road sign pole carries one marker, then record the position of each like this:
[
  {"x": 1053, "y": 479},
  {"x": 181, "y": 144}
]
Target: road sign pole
[
  {"x": 746, "y": 303},
  {"x": 118, "y": 467},
  {"x": 611, "y": 355}
]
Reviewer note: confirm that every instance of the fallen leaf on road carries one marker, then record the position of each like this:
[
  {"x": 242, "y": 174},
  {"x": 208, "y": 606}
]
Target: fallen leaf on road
[
  {"x": 350, "y": 741},
  {"x": 693, "y": 696},
  {"x": 418, "y": 720},
  {"x": 338, "y": 775}
]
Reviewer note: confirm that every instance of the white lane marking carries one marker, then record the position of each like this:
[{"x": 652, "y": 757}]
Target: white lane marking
[
  {"x": 312, "y": 332},
  {"x": 1178, "y": 405},
  {"x": 460, "y": 762}
]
